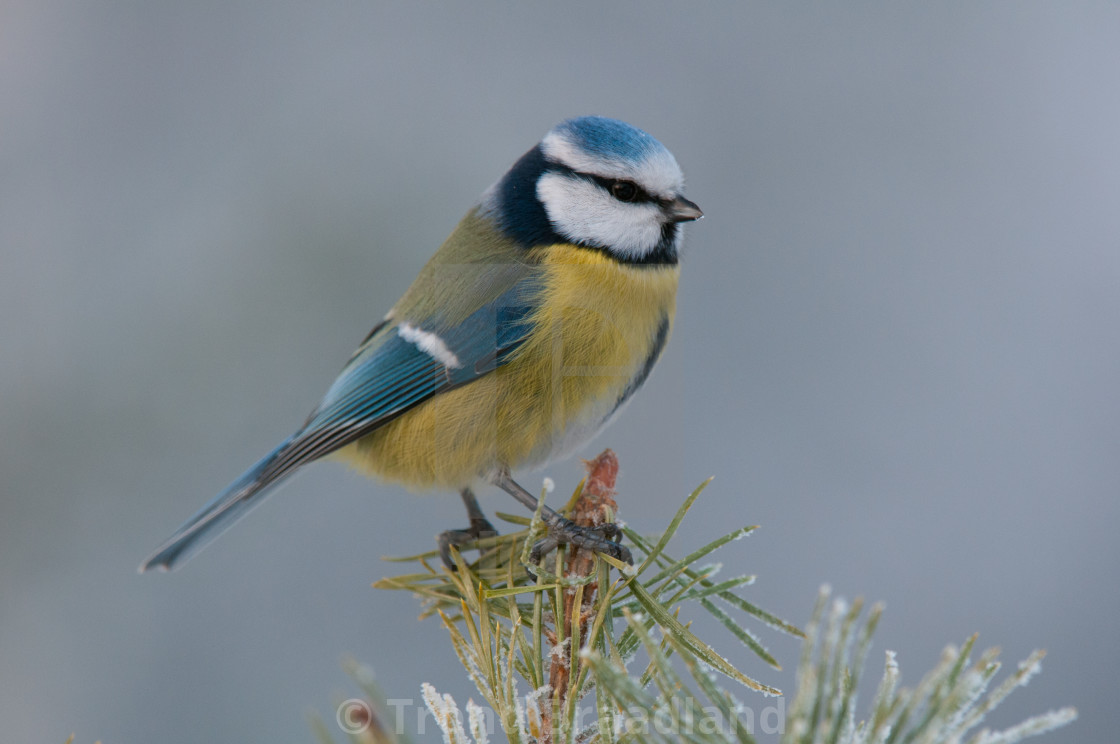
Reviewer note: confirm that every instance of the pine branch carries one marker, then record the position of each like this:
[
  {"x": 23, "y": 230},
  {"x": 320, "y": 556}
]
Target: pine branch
[
  {"x": 945, "y": 707},
  {"x": 538, "y": 646}
]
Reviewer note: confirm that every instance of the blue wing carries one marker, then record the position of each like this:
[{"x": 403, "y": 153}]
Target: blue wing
[
  {"x": 387, "y": 376},
  {"x": 390, "y": 374}
]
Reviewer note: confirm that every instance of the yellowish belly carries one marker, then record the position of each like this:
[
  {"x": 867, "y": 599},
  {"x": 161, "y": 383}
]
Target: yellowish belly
[{"x": 594, "y": 334}]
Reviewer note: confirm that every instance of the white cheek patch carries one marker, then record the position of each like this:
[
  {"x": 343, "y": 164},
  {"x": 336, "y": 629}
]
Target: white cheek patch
[
  {"x": 583, "y": 212},
  {"x": 430, "y": 344}
]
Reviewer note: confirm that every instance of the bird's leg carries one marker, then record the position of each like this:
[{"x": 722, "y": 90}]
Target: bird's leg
[
  {"x": 480, "y": 528},
  {"x": 563, "y": 531}
]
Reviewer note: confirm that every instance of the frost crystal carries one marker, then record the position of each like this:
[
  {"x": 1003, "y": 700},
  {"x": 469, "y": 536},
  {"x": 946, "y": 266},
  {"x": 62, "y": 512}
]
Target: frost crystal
[
  {"x": 446, "y": 713},
  {"x": 476, "y": 718}
]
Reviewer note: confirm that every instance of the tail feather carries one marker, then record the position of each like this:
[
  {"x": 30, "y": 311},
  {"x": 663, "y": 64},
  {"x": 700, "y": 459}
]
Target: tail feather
[{"x": 218, "y": 515}]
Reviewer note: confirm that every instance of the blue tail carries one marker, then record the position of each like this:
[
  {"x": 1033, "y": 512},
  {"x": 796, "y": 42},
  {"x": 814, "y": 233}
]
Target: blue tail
[{"x": 219, "y": 514}]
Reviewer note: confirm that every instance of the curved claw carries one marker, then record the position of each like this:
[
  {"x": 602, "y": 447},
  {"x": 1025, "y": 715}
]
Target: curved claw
[
  {"x": 480, "y": 528},
  {"x": 602, "y": 539},
  {"x": 611, "y": 532},
  {"x": 542, "y": 548}
]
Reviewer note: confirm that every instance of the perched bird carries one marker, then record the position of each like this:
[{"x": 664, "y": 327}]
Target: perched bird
[{"x": 526, "y": 332}]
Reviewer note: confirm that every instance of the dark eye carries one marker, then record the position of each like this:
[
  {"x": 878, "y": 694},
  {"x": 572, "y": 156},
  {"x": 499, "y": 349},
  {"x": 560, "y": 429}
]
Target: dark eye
[{"x": 624, "y": 191}]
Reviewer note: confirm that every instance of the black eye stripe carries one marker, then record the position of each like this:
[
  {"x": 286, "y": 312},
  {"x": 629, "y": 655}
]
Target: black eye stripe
[
  {"x": 610, "y": 184},
  {"x": 607, "y": 184}
]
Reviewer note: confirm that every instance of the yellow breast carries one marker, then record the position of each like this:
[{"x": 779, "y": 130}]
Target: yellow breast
[{"x": 597, "y": 330}]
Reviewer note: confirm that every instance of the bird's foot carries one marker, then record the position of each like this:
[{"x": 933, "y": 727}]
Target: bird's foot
[
  {"x": 605, "y": 538},
  {"x": 480, "y": 528}
]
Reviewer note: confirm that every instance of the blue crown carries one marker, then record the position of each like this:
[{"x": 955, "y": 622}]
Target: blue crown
[{"x": 609, "y": 138}]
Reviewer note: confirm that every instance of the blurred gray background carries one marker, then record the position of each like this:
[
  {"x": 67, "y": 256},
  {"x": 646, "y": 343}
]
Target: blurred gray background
[{"x": 897, "y": 348}]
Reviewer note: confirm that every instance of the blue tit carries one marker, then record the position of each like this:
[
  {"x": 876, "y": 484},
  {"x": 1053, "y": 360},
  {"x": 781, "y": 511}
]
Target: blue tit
[{"x": 527, "y": 331}]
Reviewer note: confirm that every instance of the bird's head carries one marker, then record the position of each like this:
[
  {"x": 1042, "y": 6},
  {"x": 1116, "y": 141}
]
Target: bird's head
[{"x": 598, "y": 183}]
